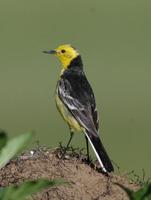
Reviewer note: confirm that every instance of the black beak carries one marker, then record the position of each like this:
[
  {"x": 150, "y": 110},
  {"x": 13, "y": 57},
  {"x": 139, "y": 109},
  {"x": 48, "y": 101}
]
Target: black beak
[{"x": 50, "y": 52}]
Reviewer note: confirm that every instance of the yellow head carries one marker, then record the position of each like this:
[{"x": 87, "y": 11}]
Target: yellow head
[{"x": 65, "y": 53}]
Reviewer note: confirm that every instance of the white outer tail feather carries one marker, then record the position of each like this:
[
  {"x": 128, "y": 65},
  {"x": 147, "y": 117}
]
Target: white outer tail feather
[{"x": 99, "y": 159}]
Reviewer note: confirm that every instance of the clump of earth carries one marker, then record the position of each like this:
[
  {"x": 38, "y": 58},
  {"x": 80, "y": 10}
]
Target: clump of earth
[{"x": 84, "y": 180}]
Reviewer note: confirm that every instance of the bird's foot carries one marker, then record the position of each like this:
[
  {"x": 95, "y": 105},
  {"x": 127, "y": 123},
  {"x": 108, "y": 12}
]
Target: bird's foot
[{"x": 62, "y": 151}]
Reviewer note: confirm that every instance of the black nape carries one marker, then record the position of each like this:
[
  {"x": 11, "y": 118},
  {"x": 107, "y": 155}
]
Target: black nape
[{"x": 76, "y": 62}]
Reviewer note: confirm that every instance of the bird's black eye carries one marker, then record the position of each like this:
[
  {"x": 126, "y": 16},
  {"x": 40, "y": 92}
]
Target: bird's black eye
[{"x": 63, "y": 51}]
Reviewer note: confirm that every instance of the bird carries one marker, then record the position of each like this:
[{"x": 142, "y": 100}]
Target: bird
[{"x": 76, "y": 102}]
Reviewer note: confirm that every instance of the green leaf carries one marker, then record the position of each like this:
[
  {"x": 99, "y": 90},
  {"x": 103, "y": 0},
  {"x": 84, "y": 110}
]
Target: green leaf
[
  {"x": 3, "y": 139},
  {"x": 27, "y": 188},
  {"x": 2, "y": 192},
  {"x": 13, "y": 147},
  {"x": 144, "y": 193}
]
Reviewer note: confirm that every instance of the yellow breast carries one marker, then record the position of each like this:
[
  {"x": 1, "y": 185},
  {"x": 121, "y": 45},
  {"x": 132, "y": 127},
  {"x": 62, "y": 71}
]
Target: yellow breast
[{"x": 71, "y": 121}]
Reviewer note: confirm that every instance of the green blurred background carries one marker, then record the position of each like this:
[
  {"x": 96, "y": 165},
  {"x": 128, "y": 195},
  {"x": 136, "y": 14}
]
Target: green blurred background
[{"x": 114, "y": 38}]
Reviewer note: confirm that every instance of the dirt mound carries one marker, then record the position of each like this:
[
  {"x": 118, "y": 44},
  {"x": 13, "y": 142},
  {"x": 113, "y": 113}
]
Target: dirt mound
[{"x": 85, "y": 182}]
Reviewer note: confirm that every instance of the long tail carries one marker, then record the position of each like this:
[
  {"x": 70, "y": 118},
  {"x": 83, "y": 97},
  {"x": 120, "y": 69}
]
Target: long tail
[{"x": 100, "y": 152}]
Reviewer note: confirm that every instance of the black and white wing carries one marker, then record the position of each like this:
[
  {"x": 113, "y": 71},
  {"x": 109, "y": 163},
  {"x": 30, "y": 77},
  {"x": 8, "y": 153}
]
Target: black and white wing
[{"x": 79, "y": 99}]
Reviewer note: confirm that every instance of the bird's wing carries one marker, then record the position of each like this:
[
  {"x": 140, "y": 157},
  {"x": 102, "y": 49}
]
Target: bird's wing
[
  {"x": 80, "y": 103},
  {"x": 95, "y": 114}
]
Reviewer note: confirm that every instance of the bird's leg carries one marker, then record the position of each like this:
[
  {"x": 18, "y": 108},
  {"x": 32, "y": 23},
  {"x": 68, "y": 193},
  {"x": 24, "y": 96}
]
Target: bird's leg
[
  {"x": 87, "y": 146},
  {"x": 71, "y": 136},
  {"x": 67, "y": 146}
]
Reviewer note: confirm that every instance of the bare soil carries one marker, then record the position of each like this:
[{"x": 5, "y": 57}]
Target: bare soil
[{"x": 86, "y": 182}]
